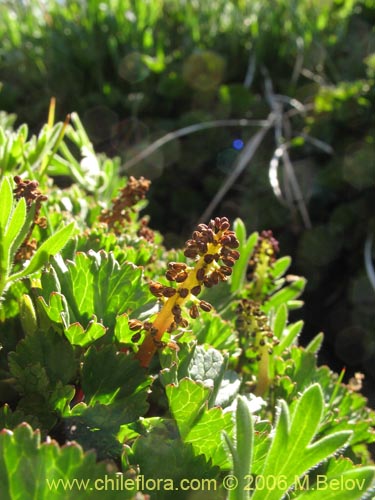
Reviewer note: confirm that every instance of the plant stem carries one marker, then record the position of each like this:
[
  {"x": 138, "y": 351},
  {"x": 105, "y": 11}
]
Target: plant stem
[{"x": 263, "y": 372}]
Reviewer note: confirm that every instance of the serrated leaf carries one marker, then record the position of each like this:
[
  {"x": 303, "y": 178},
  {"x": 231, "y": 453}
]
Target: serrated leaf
[
  {"x": 186, "y": 402},
  {"x": 10, "y": 419},
  {"x": 307, "y": 415},
  {"x": 41, "y": 400},
  {"x": 48, "y": 349},
  {"x": 48, "y": 248},
  {"x": 300, "y": 368},
  {"x": 77, "y": 335},
  {"x": 30, "y": 469},
  {"x": 52, "y": 313},
  {"x": 30, "y": 378},
  {"x": 123, "y": 333},
  {"x": 108, "y": 375},
  {"x": 160, "y": 454},
  {"x": 261, "y": 446},
  {"x": 198, "y": 425},
  {"x": 205, "y": 436},
  {"x": 109, "y": 417},
  {"x": 96, "y": 284}
]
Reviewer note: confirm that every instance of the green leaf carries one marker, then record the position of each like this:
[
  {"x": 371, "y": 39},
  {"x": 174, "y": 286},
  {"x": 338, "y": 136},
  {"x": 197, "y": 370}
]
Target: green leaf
[
  {"x": 49, "y": 247},
  {"x": 16, "y": 223},
  {"x": 108, "y": 418},
  {"x": 115, "y": 390},
  {"x": 10, "y": 419},
  {"x": 6, "y": 197},
  {"x": 245, "y": 248},
  {"x": 241, "y": 449},
  {"x": 186, "y": 402},
  {"x": 123, "y": 333},
  {"x": 17, "y": 241},
  {"x": 44, "y": 402},
  {"x": 286, "y": 294},
  {"x": 160, "y": 454},
  {"x": 28, "y": 317},
  {"x": 77, "y": 335},
  {"x": 108, "y": 375},
  {"x": 290, "y": 335},
  {"x": 50, "y": 351},
  {"x": 293, "y": 451},
  {"x": 30, "y": 469},
  {"x": 280, "y": 267},
  {"x": 96, "y": 285},
  {"x": 12, "y": 222},
  {"x": 210, "y": 328},
  {"x": 262, "y": 431},
  {"x": 280, "y": 321},
  {"x": 297, "y": 369},
  {"x": 244, "y": 435},
  {"x": 54, "y": 313},
  {"x": 198, "y": 425},
  {"x": 315, "y": 344},
  {"x": 205, "y": 436},
  {"x": 350, "y": 485}
]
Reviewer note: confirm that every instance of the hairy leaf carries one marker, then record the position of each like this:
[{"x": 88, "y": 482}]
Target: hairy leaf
[
  {"x": 293, "y": 450},
  {"x": 49, "y": 247}
]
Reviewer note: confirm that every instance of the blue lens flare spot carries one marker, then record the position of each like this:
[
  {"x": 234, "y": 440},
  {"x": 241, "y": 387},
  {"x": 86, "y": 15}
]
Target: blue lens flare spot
[{"x": 237, "y": 144}]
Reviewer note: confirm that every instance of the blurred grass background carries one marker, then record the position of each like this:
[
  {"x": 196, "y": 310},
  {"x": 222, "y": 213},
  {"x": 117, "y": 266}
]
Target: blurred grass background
[{"x": 138, "y": 70}]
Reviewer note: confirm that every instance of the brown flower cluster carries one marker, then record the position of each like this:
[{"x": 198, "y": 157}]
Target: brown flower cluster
[
  {"x": 222, "y": 242},
  {"x": 212, "y": 247},
  {"x": 134, "y": 191},
  {"x": 209, "y": 245},
  {"x": 28, "y": 190},
  {"x": 145, "y": 232},
  {"x": 26, "y": 250}
]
